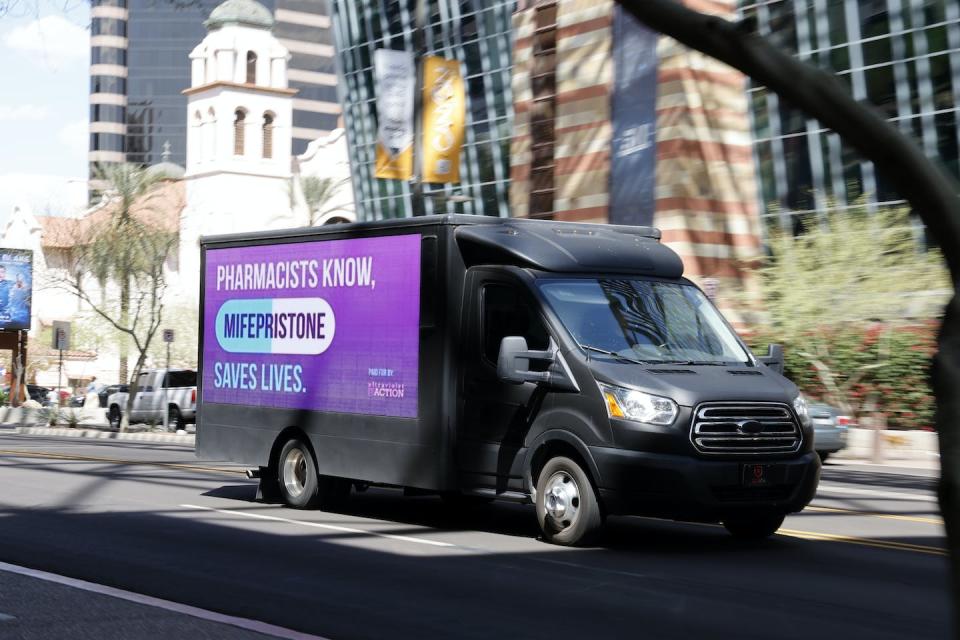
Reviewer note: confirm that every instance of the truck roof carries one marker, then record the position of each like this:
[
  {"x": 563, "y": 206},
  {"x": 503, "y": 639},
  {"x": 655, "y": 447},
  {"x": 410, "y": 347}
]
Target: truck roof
[{"x": 549, "y": 245}]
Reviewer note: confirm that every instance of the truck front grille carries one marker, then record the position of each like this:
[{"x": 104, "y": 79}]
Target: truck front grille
[{"x": 745, "y": 428}]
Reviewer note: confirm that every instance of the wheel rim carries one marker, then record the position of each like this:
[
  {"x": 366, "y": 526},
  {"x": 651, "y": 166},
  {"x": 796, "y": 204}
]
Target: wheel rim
[
  {"x": 114, "y": 416},
  {"x": 174, "y": 419},
  {"x": 295, "y": 473},
  {"x": 561, "y": 499}
]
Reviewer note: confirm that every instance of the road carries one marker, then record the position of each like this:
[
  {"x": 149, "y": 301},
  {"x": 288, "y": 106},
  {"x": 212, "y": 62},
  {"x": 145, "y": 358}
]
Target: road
[{"x": 866, "y": 560}]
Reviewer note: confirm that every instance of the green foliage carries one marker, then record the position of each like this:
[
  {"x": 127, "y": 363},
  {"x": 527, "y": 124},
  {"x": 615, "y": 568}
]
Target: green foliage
[
  {"x": 72, "y": 418},
  {"x": 117, "y": 266},
  {"x": 876, "y": 365},
  {"x": 318, "y": 193},
  {"x": 855, "y": 300},
  {"x": 184, "y": 320}
]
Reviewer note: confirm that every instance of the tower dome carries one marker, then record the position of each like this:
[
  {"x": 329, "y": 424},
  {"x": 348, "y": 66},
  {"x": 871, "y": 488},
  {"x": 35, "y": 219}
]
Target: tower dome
[{"x": 248, "y": 13}]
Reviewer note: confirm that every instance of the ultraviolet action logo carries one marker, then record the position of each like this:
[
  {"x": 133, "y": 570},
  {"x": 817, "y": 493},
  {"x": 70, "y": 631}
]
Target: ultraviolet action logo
[{"x": 304, "y": 326}]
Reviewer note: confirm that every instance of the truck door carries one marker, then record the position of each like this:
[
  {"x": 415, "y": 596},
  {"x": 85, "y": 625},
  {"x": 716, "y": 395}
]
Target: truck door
[
  {"x": 495, "y": 414},
  {"x": 144, "y": 397}
]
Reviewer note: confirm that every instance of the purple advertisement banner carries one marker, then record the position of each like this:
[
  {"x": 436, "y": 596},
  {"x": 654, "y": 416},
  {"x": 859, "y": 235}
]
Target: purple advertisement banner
[{"x": 323, "y": 326}]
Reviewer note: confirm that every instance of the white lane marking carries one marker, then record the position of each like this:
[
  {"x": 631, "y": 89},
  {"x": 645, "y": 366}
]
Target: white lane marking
[
  {"x": 158, "y": 603},
  {"x": 895, "y": 495},
  {"x": 6, "y": 618},
  {"x": 318, "y": 525}
]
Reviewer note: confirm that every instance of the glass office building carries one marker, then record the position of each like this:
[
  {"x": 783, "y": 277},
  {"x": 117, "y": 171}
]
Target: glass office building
[
  {"x": 140, "y": 65},
  {"x": 478, "y": 33},
  {"x": 903, "y": 56}
]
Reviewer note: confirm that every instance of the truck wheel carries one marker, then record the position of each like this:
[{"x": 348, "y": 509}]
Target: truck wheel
[
  {"x": 297, "y": 475},
  {"x": 567, "y": 506},
  {"x": 753, "y": 526},
  {"x": 113, "y": 416},
  {"x": 174, "y": 419}
]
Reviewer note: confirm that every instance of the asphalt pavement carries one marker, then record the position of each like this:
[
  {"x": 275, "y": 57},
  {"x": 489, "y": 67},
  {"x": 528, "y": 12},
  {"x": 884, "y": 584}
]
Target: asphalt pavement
[{"x": 867, "y": 559}]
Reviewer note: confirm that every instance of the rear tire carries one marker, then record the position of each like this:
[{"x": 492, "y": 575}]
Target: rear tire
[
  {"x": 114, "y": 416},
  {"x": 823, "y": 455},
  {"x": 753, "y": 526},
  {"x": 567, "y": 507},
  {"x": 174, "y": 419},
  {"x": 297, "y": 475},
  {"x": 301, "y": 487}
]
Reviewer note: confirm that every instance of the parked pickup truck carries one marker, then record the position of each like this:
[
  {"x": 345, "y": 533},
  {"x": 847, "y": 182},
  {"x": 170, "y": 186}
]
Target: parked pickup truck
[{"x": 172, "y": 391}]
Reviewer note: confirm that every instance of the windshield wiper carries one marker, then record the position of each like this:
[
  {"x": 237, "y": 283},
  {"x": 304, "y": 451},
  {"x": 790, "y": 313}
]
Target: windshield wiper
[
  {"x": 614, "y": 354},
  {"x": 696, "y": 363}
]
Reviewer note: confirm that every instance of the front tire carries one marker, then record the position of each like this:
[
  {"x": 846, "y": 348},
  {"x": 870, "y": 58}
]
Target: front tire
[
  {"x": 753, "y": 526},
  {"x": 567, "y": 505}
]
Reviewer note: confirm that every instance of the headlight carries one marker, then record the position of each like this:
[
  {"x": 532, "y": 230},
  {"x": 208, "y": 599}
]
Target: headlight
[
  {"x": 638, "y": 406},
  {"x": 800, "y": 406}
]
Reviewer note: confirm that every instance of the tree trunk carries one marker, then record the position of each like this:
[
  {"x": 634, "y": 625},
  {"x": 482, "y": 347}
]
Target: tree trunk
[
  {"x": 124, "y": 374},
  {"x": 134, "y": 388}
]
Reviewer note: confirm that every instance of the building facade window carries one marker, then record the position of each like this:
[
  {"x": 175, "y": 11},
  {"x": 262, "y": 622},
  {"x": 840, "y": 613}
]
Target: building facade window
[
  {"x": 478, "y": 34},
  {"x": 251, "y": 67},
  {"x": 107, "y": 113},
  {"x": 239, "y": 125},
  {"x": 108, "y": 27},
  {"x": 268, "y": 119},
  {"x": 108, "y": 55},
  {"x": 894, "y": 54},
  {"x": 108, "y": 84}
]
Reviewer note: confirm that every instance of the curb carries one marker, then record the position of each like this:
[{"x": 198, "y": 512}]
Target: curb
[{"x": 168, "y": 438}]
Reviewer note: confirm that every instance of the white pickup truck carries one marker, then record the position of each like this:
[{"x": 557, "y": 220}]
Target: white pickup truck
[{"x": 173, "y": 391}]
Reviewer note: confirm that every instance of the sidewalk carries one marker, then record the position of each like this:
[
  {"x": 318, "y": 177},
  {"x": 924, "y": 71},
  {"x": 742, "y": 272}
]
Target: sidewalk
[{"x": 105, "y": 433}]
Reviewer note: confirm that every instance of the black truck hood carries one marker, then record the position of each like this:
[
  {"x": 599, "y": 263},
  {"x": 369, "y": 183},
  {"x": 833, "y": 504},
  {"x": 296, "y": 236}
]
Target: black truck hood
[{"x": 689, "y": 385}]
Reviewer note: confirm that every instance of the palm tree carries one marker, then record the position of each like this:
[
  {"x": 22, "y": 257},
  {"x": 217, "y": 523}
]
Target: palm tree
[
  {"x": 318, "y": 194},
  {"x": 127, "y": 185}
]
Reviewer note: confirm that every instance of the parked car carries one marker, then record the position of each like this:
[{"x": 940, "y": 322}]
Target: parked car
[
  {"x": 109, "y": 390},
  {"x": 159, "y": 391},
  {"x": 38, "y": 393},
  {"x": 829, "y": 429}
]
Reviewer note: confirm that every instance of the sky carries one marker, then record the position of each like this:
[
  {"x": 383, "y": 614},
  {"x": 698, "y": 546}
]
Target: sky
[{"x": 44, "y": 106}]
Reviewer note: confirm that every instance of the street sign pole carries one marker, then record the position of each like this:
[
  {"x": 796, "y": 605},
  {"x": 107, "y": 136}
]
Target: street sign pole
[
  {"x": 168, "y": 338},
  {"x": 60, "y": 379},
  {"x": 61, "y": 341}
]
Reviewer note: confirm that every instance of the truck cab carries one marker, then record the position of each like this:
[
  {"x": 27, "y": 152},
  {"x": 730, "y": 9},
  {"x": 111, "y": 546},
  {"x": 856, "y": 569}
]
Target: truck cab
[{"x": 587, "y": 345}]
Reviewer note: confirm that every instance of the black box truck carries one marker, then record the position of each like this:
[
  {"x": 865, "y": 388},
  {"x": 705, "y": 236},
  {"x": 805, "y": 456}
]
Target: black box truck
[{"x": 567, "y": 365}]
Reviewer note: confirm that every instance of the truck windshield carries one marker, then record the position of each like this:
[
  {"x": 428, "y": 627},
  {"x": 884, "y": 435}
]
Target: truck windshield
[{"x": 643, "y": 320}]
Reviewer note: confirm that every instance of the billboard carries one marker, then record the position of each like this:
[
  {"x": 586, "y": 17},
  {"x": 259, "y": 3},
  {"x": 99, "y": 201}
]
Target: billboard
[
  {"x": 324, "y": 326},
  {"x": 16, "y": 288}
]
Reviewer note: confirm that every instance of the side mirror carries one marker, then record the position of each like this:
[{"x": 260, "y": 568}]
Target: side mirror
[
  {"x": 774, "y": 358},
  {"x": 513, "y": 365}
]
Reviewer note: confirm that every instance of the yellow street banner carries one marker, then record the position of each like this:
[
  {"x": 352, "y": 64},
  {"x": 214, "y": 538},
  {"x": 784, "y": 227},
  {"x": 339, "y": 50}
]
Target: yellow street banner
[
  {"x": 394, "y": 167},
  {"x": 395, "y": 77},
  {"x": 444, "y": 112}
]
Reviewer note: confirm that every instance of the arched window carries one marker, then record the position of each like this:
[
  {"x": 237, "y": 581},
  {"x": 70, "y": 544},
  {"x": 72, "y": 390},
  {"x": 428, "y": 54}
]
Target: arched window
[
  {"x": 212, "y": 136},
  {"x": 251, "y": 67},
  {"x": 239, "y": 123},
  {"x": 268, "y": 135}
]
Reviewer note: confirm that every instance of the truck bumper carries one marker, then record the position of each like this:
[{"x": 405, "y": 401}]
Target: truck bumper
[{"x": 698, "y": 489}]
